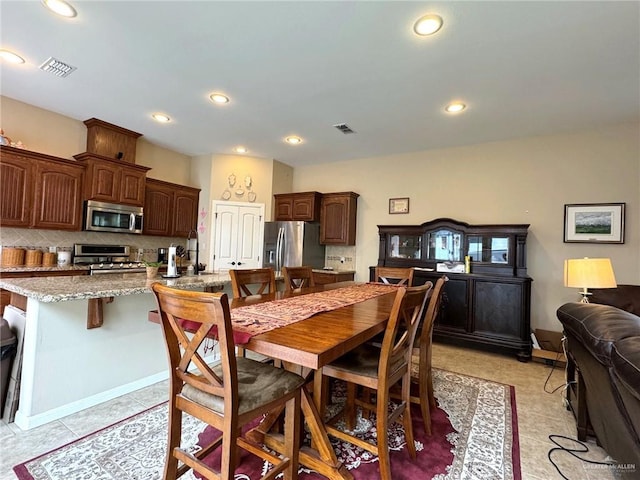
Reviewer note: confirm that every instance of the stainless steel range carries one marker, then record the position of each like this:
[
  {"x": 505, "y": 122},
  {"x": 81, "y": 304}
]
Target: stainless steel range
[{"x": 106, "y": 259}]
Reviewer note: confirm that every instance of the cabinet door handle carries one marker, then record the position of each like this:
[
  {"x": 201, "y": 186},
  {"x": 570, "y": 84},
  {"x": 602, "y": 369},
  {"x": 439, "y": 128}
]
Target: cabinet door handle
[
  {"x": 239, "y": 263},
  {"x": 233, "y": 263}
]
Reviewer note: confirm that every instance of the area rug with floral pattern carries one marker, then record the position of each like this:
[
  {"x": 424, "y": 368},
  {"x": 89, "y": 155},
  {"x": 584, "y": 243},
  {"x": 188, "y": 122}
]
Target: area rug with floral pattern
[{"x": 474, "y": 436}]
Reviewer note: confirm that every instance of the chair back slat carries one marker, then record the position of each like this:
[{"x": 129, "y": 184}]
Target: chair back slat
[
  {"x": 394, "y": 275},
  {"x": 297, "y": 277},
  {"x": 257, "y": 281},
  {"x": 210, "y": 310},
  {"x": 426, "y": 328},
  {"x": 406, "y": 314}
]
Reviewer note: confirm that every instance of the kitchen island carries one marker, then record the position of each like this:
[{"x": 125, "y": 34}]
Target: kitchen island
[{"x": 68, "y": 367}]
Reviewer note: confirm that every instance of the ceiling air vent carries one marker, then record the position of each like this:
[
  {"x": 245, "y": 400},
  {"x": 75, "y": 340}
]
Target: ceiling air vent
[
  {"x": 58, "y": 68},
  {"x": 344, "y": 128}
]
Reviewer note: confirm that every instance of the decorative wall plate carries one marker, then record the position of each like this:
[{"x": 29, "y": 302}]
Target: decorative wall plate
[
  {"x": 226, "y": 195},
  {"x": 252, "y": 196}
]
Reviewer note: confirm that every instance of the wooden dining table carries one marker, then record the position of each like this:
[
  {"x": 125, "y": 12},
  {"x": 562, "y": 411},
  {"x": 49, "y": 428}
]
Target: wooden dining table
[{"x": 306, "y": 346}]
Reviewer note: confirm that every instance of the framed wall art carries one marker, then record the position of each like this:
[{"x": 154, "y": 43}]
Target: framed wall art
[
  {"x": 594, "y": 223},
  {"x": 399, "y": 205}
]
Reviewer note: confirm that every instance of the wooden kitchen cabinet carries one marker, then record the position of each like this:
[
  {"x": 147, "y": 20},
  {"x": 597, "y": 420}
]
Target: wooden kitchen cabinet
[
  {"x": 16, "y": 182},
  {"x": 185, "y": 214},
  {"x": 113, "y": 181},
  {"x": 111, "y": 141},
  {"x": 338, "y": 218},
  {"x": 170, "y": 210},
  {"x": 303, "y": 206},
  {"x": 58, "y": 196},
  {"x": 40, "y": 191}
]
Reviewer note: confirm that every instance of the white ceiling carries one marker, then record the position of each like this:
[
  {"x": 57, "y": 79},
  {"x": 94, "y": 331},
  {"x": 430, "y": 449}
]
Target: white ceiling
[{"x": 523, "y": 69}]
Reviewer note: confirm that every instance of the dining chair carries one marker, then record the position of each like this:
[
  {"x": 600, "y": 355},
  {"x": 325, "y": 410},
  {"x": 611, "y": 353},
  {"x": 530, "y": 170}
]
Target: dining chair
[
  {"x": 225, "y": 396},
  {"x": 297, "y": 277},
  {"x": 421, "y": 375},
  {"x": 394, "y": 275},
  {"x": 254, "y": 281},
  {"x": 379, "y": 369}
]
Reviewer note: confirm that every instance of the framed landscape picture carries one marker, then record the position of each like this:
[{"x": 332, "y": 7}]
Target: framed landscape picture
[{"x": 594, "y": 223}]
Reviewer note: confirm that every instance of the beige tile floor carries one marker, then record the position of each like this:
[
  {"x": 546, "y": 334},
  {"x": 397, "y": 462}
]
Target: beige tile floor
[{"x": 540, "y": 414}]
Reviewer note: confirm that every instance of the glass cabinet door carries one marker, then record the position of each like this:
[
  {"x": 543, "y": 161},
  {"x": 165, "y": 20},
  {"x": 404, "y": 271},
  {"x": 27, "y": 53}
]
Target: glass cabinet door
[
  {"x": 405, "y": 246},
  {"x": 445, "y": 245},
  {"x": 488, "y": 249}
]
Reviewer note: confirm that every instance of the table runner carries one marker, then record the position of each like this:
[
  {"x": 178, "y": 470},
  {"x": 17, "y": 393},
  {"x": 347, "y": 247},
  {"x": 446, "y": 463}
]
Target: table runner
[{"x": 259, "y": 318}]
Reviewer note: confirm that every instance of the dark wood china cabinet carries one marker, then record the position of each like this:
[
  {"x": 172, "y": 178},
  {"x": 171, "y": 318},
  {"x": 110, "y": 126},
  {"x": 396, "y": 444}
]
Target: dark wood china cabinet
[{"x": 487, "y": 307}]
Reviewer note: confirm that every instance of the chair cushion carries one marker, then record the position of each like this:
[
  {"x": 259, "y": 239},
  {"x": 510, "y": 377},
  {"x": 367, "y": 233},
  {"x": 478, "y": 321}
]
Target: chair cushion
[
  {"x": 363, "y": 361},
  {"x": 258, "y": 384}
]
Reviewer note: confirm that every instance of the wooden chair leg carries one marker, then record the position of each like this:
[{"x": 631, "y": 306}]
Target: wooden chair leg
[
  {"x": 423, "y": 393},
  {"x": 173, "y": 441},
  {"x": 406, "y": 415},
  {"x": 229, "y": 450},
  {"x": 383, "y": 436}
]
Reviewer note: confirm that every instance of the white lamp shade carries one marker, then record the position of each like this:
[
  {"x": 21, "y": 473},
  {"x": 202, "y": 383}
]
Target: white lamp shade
[{"x": 589, "y": 273}]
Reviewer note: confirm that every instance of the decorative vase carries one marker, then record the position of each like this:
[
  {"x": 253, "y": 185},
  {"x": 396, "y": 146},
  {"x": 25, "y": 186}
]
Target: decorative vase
[{"x": 152, "y": 272}]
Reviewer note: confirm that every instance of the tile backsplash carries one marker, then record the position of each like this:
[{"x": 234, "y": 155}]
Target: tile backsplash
[
  {"x": 64, "y": 241},
  {"x": 340, "y": 258}
]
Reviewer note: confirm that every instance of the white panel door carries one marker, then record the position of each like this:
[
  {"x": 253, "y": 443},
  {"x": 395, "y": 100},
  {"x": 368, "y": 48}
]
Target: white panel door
[{"x": 237, "y": 235}]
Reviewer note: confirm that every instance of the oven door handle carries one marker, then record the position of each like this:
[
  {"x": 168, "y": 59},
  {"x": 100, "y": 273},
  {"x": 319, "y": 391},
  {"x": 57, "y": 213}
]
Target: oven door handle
[{"x": 132, "y": 222}]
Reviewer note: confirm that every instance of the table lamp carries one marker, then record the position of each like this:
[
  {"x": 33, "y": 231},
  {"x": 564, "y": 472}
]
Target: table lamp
[{"x": 585, "y": 273}]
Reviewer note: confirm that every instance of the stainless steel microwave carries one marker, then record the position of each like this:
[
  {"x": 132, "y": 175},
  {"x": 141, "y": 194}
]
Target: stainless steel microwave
[{"x": 111, "y": 217}]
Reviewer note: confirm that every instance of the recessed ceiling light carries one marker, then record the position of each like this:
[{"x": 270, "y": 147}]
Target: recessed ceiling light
[
  {"x": 455, "y": 107},
  {"x": 60, "y": 7},
  {"x": 219, "y": 98},
  {"x": 427, "y": 25},
  {"x": 240, "y": 149},
  {"x": 11, "y": 57},
  {"x": 293, "y": 140},
  {"x": 161, "y": 117}
]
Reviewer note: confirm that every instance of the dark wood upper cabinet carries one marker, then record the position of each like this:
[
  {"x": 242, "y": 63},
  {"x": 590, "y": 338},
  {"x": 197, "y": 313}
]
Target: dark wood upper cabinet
[
  {"x": 185, "y": 213},
  {"x": 338, "y": 218},
  {"x": 113, "y": 181},
  {"x": 110, "y": 141},
  {"x": 16, "y": 182},
  {"x": 40, "y": 191},
  {"x": 303, "y": 206},
  {"x": 170, "y": 209}
]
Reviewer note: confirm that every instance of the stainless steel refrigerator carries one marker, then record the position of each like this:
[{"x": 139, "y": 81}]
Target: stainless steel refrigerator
[{"x": 292, "y": 244}]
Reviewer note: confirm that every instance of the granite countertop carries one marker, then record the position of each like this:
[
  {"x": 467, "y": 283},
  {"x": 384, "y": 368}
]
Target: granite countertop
[
  {"x": 61, "y": 289},
  {"x": 53, "y": 268},
  {"x": 334, "y": 272}
]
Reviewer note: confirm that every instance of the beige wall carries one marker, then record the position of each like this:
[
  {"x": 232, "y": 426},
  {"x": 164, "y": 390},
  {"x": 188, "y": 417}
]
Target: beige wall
[
  {"x": 54, "y": 134},
  {"x": 520, "y": 181}
]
